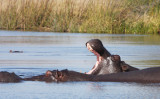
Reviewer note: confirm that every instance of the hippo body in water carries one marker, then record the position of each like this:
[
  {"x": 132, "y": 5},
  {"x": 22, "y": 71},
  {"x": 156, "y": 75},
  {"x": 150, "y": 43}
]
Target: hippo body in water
[
  {"x": 60, "y": 76},
  {"x": 6, "y": 77},
  {"x": 106, "y": 63},
  {"x": 149, "y": 75},
  {"x": 39, "y": 78}
]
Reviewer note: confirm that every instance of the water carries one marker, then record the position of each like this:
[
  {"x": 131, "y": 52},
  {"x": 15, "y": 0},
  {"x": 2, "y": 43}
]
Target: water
[{"x": 47, "y": 51}]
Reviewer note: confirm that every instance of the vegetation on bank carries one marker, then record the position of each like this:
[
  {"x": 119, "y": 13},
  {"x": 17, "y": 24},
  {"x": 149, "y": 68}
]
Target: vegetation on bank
[{"x": 86, "y": 16}]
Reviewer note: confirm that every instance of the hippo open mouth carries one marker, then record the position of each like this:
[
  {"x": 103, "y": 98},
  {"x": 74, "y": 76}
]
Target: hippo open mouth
[
  {"x": 95, "y": 53},
  {"x": 106, "y": 63}
]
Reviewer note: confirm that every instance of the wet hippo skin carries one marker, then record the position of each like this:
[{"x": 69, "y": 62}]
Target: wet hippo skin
[
  {"x": 39, "y": 78},
  {"x": 149, "y": 75},
  {"x": 66, "y": 75},
  {"x": 60, "y": 76},
  {"x": 6, "y": 77}
]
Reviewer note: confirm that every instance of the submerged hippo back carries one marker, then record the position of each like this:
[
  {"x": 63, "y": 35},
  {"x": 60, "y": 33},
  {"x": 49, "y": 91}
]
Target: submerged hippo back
[{"x": 149, "y": 75}]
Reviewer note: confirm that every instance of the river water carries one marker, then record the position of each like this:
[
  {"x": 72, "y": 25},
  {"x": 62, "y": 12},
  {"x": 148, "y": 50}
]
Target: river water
[{"x": 47, "y": 51}]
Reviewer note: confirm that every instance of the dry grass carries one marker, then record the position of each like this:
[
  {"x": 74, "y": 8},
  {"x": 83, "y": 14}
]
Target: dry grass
[{"x": 87, "y": 16}]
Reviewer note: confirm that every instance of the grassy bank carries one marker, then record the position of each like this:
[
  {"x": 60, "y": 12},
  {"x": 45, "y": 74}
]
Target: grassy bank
[{"x": 87, "y": 16}]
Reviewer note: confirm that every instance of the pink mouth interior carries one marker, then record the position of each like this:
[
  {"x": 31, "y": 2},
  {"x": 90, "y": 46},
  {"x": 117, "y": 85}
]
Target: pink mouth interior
[
  {"x": 95, "y": 53},
  {"x": 98, "y": 59}
]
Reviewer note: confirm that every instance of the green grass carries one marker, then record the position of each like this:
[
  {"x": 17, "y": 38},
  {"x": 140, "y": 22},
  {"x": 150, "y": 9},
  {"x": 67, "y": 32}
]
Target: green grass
[{"x": 85, "y": 16}]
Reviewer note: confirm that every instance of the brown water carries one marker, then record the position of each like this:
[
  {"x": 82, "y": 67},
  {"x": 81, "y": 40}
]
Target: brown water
[{"x": 47, "y": 51}]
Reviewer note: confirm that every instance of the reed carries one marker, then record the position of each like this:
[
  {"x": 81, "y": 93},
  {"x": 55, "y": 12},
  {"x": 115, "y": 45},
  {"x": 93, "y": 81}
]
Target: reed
[{"x": 85, "y": 16}]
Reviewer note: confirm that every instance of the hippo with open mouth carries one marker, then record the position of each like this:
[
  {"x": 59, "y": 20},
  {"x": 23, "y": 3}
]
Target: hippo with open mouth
[{"x": 106, "y": 63}]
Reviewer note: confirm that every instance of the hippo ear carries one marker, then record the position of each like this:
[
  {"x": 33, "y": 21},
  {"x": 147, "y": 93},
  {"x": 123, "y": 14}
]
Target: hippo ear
[
  {"x": 124, "y": 66},
  {"x": 48, "y": 73}
]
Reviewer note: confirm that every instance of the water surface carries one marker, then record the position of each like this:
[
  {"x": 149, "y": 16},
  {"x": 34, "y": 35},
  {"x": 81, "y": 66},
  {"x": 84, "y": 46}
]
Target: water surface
[{"x": 47, "y": 51}]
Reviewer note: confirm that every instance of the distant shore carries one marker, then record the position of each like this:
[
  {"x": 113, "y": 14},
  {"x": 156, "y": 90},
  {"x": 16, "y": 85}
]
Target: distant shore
[{"x": 81, "y": 16}]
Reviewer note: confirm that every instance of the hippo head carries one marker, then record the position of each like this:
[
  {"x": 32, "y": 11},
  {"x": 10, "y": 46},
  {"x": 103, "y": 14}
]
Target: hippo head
[
  {"x": 96, "y": 47},
  {"x": 56, "y": 76}
]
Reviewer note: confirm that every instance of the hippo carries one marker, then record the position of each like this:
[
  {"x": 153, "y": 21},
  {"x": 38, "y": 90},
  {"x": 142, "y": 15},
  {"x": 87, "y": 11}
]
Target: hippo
[
  {"x": 11, "y": 51},
  {"x": 149, "y": 75},
  {"x": 60, "y": 76},
  {"x": 66, "y": 75},
  {"x": 106, "y": 63},
  {"x": 6, "y": 77}
]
